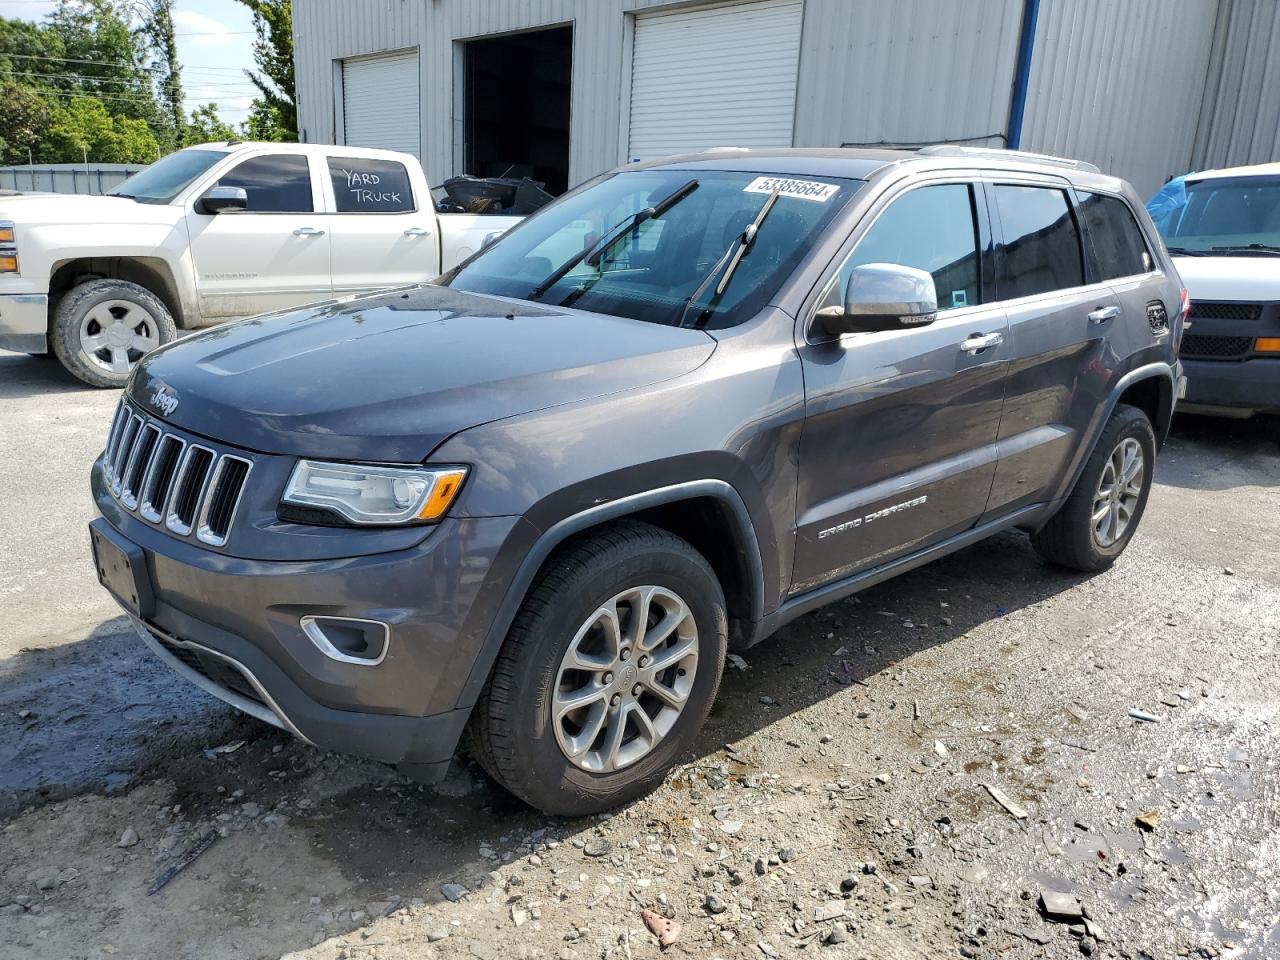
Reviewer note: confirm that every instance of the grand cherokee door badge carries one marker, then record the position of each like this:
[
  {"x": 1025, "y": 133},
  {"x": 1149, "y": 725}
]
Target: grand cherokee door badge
[{"x": 870, "y": 517}]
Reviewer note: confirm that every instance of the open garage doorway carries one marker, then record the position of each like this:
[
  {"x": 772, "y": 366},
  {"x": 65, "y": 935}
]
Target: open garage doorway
[{"x": 517, "y": 106}]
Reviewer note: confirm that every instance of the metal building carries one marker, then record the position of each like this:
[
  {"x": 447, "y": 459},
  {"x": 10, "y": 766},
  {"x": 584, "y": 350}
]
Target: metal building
[{"x": 562, "y": 89}]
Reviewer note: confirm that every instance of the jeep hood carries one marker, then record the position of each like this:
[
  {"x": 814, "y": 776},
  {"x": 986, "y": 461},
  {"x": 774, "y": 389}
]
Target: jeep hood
[{"x": 389, "y": 377}]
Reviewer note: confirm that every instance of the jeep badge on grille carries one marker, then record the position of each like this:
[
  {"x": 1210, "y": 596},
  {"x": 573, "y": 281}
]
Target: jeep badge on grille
[{"x": 164, "y": 398}]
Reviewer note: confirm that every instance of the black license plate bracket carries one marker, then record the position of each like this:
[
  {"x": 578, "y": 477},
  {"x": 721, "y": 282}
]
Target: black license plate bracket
[{"x": 122, "y": 570}]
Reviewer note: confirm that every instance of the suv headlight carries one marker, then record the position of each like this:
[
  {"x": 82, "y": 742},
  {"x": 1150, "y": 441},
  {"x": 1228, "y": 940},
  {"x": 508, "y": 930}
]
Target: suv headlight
[
  {"x": 8, "y": 247},
  {"x": 365, "y": 494}
]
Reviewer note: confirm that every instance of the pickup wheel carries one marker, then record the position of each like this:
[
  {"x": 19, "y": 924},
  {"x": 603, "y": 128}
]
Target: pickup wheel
[
  {"x": 102, "y": 328},
  {"x": 607, "y": 673},
  {"x": 1102, "y": 512}
]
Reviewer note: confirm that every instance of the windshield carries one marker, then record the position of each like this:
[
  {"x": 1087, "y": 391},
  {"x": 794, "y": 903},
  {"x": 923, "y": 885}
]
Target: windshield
[
  {"x": 165, "y": 179},
  {"x": 1228, "y": 216},
  {"x": 657, "y": 263}
]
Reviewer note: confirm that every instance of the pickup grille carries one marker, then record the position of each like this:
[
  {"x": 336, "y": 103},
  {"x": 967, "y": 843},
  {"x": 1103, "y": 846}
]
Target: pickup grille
[
  {"x": 1225, "y": 311},
  {"x": 1199, "y": 346},
  {"x": 185, "y": 487}
]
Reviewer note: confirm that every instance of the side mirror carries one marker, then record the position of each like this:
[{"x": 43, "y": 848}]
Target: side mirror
[
  {"x": 883, "y": 296},
  {"x": 224, "y": 199}
]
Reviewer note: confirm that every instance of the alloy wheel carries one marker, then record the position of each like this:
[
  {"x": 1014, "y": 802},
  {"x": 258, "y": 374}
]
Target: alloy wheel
[
  {"x": 1119, "y": 491},
  {"x": 625, "y": 679},
  {"x": 115, "y": 334}
]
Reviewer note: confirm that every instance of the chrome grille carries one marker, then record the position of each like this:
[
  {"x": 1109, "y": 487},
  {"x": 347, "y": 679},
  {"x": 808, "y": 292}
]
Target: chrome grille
[{"x": 186, "y": 487}]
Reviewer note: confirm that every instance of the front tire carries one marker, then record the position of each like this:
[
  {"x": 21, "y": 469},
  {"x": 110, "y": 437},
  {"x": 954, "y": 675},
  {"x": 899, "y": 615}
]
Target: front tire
[
  {"x": 607, "y": 674},
  {"x": 1102, "y": 512},
  {"x": 102, "y": 328}
]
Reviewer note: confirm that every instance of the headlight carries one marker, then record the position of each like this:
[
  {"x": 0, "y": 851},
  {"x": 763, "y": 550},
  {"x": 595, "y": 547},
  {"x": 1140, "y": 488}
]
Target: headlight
[{"x": 375, "y": 495}]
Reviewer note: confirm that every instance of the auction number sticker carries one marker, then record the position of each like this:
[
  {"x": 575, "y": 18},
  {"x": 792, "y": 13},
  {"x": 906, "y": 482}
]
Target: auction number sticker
[{"x": 800, "y": 189}]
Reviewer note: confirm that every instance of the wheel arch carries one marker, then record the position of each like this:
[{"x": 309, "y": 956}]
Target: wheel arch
[
  {"x": 709, "y": 514},
  {"x": 1149, "y": 387},
  {"x": 151, "y": 273}
]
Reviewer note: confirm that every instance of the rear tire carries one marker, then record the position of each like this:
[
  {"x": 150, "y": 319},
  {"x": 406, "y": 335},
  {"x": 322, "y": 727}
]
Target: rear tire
[
  {"x": 102, "y": 328},
  {"x": 1099, "y": 518},
  {"x": 565, "y": 761}
]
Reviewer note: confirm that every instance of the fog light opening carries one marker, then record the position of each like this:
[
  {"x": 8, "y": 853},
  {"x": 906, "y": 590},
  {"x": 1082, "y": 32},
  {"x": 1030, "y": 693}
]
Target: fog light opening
[{"x": 349, "y": 639}]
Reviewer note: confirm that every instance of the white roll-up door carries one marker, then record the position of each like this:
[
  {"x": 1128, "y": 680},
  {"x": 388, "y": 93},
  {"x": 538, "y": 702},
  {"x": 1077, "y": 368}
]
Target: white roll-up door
[
  {"x": 713, "y": 77},
  {"x": 380, "y": 103}
]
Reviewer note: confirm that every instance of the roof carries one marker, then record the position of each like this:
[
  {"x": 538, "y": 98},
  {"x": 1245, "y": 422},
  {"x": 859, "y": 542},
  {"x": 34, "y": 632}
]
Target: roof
[
  {"x": 1254, "y": 170},
  {"x": 859, "y": 164}
]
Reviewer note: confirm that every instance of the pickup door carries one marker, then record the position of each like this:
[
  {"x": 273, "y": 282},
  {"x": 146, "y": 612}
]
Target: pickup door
[
  {"x": 384, "y": 230},
  {"x": 270, "y": 256}
]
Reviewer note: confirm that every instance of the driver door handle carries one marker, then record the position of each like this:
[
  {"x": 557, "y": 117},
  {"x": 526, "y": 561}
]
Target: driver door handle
[
  {"x": 1103, "y": 314},
  {"x": 308, "y": 232},
  {"x": 981, "y": 341},
  {"x": 417, "y": 232}
]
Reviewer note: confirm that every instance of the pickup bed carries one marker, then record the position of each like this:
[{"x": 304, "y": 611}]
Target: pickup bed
[{"x": 215, "y": 233}]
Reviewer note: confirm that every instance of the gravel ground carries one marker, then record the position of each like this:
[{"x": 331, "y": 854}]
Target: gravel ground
[{"x": 851, "y": 795}]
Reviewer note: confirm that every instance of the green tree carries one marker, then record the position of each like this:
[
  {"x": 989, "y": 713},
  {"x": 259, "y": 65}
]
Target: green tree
[
  {"x": 24, "y": 116},
  {"x": 106, "y": 58},
  {"x": 82, "y": 128},
  {"x": 207, "y": 126},
  {"x": 158, "y": 25},
  {"x": 273, "y": 53}
]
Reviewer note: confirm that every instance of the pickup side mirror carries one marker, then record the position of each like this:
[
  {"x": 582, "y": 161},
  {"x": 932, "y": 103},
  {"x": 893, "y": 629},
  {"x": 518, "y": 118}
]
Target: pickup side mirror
[
  {"x": 882, "y": 296},
  {"x": 223, "y": 199}
]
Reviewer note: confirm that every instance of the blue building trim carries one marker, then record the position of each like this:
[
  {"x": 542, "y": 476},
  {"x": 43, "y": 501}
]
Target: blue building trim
[{"x": 1022, "y": 75}]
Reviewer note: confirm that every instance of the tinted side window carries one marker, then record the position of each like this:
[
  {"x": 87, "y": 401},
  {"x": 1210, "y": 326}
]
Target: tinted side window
[
  {"x": 361, "y": 185},
  {"x": 275, "y": 184},
  {"x": 1041, "y": 242},
  {"x": 1114, "y": 237},
  {"x": 930, "y": 228}
]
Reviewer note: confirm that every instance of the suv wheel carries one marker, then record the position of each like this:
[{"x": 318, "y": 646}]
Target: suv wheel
[
  {"x": 1100, "y": 516},
  {"x": 607, "y": 674},
  {"x": 102, "y": 328}
]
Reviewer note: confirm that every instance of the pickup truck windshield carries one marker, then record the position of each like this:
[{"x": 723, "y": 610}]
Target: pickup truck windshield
[
  {"x": 1225, "y": 217},
  {"x": 653, "y": 270},
  {"x": 165, "y": 179}
]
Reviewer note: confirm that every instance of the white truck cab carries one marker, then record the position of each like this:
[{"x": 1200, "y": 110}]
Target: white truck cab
[
  {"x": 214, "y": 233},
  {"x": 1223, "y": 229}
]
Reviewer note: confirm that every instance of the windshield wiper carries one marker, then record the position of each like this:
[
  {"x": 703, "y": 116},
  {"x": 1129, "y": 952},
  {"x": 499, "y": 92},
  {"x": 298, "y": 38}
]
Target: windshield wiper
[
  {"x": 733, "y": 256},
  {"x": 1187, "y": 252},
  {"x": 592, "y": 253},
  {"x": 1265, "y": 248}
]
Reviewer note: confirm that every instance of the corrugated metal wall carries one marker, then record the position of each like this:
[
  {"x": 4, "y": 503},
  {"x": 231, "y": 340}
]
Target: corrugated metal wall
[
  {"x": 1131, "y": 85},
  {"x": 931, "y": 70},
  {"x": 1240, "y": 118},
  {"x": 1119, "y": 83},
  {"x": 67, "y": 177}
]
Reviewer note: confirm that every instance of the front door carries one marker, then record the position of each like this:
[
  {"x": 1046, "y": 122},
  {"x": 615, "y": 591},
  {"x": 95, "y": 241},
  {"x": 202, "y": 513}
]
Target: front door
[
  {"x": 898, "y": 450},
  {"x": 270, "y": 256},
  {"x": 383, "y": 235}
]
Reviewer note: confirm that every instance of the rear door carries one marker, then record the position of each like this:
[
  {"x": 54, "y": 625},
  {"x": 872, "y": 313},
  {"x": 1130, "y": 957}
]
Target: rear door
[
  {"x": 898, "y": 450},
  {"x": 274, "y": 254},
  {"x": 383, "y": 233},
  {"x": 1060, "y": 319}
]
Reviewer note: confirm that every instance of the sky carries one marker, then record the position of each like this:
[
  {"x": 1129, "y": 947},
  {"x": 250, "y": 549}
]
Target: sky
[{"x": 215, "y": 46}]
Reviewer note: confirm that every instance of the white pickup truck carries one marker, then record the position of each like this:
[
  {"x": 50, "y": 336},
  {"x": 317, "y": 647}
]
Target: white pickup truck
[{"x": 213, "y": 233}]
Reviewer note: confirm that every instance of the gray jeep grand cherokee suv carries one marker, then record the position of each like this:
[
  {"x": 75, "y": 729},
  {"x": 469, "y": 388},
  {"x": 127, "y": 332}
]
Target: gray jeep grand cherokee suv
[{"x": 535, "y": 502}]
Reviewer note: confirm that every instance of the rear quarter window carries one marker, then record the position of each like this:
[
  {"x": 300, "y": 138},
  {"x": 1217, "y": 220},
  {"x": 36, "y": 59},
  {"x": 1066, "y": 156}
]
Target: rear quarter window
[
  {"x": 364, "y": 185},
  {"x": 1116, "y": 245}
]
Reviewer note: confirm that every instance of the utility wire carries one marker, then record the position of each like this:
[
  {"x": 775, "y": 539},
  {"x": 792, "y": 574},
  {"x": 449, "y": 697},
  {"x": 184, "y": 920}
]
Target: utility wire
[{"x": 108, "y": 63}]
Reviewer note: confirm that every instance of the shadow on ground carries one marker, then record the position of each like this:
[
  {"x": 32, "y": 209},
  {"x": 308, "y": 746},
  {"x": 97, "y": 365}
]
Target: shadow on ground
[{"x": 105, "y": 715}]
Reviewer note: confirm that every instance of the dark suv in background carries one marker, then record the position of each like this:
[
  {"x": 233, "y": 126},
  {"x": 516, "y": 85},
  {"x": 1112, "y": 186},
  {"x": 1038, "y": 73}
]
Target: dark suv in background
[{"x": 535, "y": 502}]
